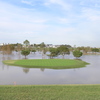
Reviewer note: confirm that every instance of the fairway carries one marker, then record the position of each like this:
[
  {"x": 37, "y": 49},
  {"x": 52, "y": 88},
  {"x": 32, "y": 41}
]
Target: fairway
[
  {"x": 47, "y": 63},
  {"x": 50, "y": 92}
]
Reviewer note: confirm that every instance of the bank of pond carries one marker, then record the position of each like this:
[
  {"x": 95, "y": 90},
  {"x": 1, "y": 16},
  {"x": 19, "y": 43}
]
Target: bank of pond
[{"x": 47, "y": 63}]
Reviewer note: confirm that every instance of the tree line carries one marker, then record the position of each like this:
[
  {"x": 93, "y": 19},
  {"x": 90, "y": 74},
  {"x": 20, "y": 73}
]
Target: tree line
[{"x": 26, "y": 48}]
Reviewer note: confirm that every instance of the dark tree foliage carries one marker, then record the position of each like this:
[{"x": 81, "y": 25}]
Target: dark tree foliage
[
  {"x": 77, "y": 53},
  {"x": 63, "y": 50},
  {"x": 44, "y": 50},
  {"x": 33, "y": 51},
  {"x": 18, "y": 47},
  {"x": 42, "y": 45},
  {"x": 53, "y": 52},
  {"x": 84, "y": 49},
  {"x": 95, "y": 50},
  {"x": 68, "y": 46},
  {"x": 25, "y": 53}
]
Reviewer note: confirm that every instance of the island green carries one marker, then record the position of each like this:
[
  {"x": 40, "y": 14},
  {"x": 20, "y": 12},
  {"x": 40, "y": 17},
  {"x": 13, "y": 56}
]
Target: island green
[{"x": 47, "y": 63}]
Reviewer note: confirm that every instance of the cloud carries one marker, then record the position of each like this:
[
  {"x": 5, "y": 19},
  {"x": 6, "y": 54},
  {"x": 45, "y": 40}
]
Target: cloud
[
  {"x": 63, "y": 20},
  {"x": 55, "y": 23},
  {"x": 19, "y": 24},
  {"x": 27, "y": 2},
  {"x": 91, "y": 14},
  {"x": 90, "y": 3},
  {"x": 64, "y": 5},
  {"x": 14, "y": 18}
]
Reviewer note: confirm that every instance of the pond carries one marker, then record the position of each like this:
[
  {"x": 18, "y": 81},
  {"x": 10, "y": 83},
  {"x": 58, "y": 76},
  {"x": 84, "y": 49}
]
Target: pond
[{"x": 10, "y": 75}]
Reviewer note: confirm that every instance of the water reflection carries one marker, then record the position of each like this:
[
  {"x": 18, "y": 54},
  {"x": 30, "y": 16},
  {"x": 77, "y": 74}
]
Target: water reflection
[
  {"x": 20, "y": 75},
  {"x": 42, "y": 69},
  {"x": 26, "y": 70},
  {"x": 3, "y": 58}
]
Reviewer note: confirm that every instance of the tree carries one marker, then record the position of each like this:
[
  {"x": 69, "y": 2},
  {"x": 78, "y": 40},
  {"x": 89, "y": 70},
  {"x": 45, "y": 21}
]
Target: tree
[
  {"x": 77, "y": 53},
  {"x": 43, "y": 49},
  {"x": 18, "y": 47},
  {"x": 25, "y": 53},
  {"x": 42, "y": 45},
  {"x": 86, "y": 50},
  {"x": 95, "y": 50},
  {"x": 53, "y": 52},
  {"x": 3, "y": 49},
  {"x": 7, "y": 49},
  {"x": 63, "y": 50},
  {"x": 26, "y": 43},
  {"x": 34, "y": 51}
]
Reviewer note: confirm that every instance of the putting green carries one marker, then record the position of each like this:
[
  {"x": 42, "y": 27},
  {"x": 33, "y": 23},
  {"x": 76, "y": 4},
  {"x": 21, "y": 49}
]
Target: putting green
[{"x": 47, "y": 63}]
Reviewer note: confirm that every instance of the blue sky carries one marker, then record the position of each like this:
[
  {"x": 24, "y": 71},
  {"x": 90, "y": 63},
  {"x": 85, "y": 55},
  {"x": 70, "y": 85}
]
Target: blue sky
[{"x": 73, "y": 22}]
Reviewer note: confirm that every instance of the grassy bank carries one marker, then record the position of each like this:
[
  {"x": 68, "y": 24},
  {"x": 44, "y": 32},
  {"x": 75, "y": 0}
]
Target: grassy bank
[
  {"x": 47, "y": 63},
  {"x": 52, "y": 92}
]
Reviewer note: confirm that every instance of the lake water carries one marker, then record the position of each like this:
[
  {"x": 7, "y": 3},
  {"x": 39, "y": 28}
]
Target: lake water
[{"x": 10, "y": 75}]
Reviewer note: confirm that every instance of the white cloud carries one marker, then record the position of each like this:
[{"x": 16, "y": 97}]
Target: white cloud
[
  {"x": 64, "y": 20},
  {"x": 16, "y": 19},
  {"x": 79, "y": 27},
  {"x": 91, "y": 14},
  {"x": 27, "y": 2},
  {"x": 62, "y": 3}
]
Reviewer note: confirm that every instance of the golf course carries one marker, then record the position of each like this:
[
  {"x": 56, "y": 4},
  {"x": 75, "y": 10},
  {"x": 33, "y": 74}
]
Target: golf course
[
  {"x": 50, "y": 92},
  {"x": 47, "y": 63}
]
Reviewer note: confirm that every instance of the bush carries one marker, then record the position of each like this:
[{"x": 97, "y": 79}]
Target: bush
[
  {"x": 25, "y": 53},
  {"x": 77, "y": 53}
]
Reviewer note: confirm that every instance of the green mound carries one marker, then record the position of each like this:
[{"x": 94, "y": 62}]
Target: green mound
[{"x": 47, "y": 63}]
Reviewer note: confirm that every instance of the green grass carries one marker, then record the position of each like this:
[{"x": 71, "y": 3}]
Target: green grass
[
  {"x": 47, "y": 63},
  {"x": 50, "y": 92}
]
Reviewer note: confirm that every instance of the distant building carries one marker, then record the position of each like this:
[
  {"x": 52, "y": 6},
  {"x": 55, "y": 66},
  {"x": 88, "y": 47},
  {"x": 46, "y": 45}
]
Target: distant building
[
  {"x": 49, "y": 45},
  {"x": 52, "y": 46}
]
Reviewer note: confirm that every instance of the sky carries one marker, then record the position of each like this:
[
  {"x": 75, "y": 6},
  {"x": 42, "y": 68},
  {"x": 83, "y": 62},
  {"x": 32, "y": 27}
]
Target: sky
[{"x": 72, "y": 22}]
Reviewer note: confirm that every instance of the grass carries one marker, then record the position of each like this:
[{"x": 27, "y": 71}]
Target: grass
[
  {"x": 50, "y": 92},
  {"x": 47, "y": 63}
]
